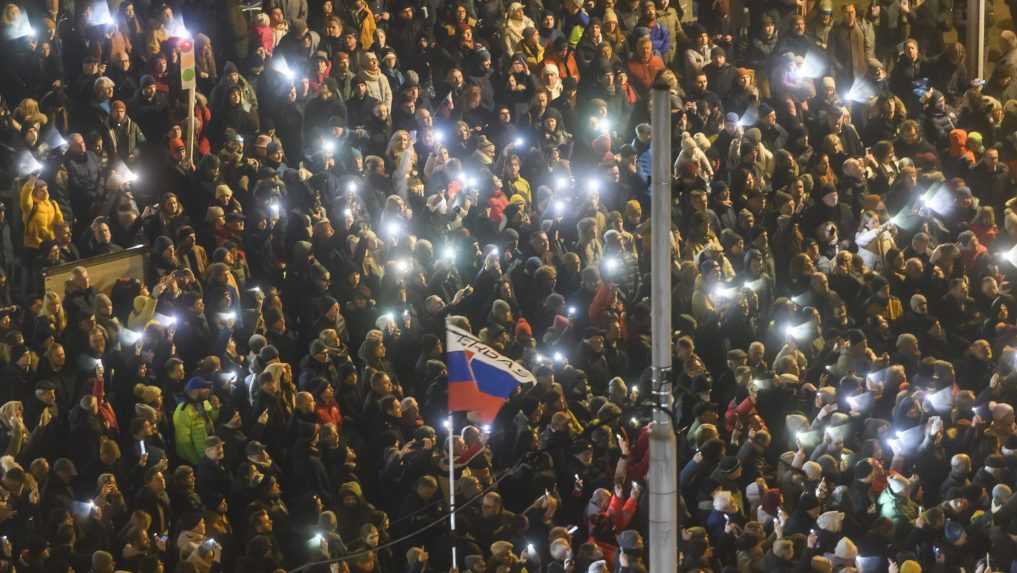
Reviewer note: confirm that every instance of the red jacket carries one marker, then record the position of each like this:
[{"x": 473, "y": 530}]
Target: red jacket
[
  {"x": 329, "y": 414},
  {"x": 642, "y": 74},
  {"x": 618, "y": 516},
  {"x": 567, "y": 68},
  {"x": 497, "y": 203}
]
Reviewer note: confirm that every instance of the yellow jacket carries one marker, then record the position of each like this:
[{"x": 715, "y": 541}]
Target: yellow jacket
[
  {"x": 38, "y": 217},
  {"x": 365, "y": 23},
  {"x": 520, "y": 186},
  {"x": 534, "y": 55}
]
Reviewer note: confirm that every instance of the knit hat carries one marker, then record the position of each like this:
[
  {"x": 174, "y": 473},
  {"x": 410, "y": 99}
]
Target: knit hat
[
  {"x": 1000, "y": 410},
  {"x": 268, "y": 354},
  {"x": 953, "y": 531},
  {"x": 196, "y": 384},
  {"x": 629, "y": 540},
  {"x": 831, "y": 521},
  {"x": 560, "y": 549},
  {"x": 898, "y": 484},
  {"x": 846, "y": 550},
  {"x": 523, "y": 328},
  {"x": 910, "y": 566},
  {"x": 500, "y": 548},
  {"x": 821, "y": 564},
  {"x": 813, "y": 471},
  {"x": 1000, "y": 493},
  {"x": 414, "y": 555},
  {"x": 753, "y": 492}
]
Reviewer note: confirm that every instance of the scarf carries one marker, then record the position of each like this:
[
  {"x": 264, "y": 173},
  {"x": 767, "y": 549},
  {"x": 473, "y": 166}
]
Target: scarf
[{"x": 514, "y": 30}]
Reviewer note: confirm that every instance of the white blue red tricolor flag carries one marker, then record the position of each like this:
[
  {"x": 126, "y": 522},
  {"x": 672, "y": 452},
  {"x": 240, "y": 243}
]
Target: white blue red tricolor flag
[{"x": 480, "y": 379}]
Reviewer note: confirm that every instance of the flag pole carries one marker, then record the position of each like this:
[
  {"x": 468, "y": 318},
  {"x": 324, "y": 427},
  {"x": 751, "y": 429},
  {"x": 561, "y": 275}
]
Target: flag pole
[
  {"x": 452, "y": 486},
  {"x": 190, "y": 115}
]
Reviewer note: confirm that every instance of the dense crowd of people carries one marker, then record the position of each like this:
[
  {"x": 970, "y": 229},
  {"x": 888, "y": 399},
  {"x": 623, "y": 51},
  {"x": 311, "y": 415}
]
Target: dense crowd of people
[{"x": 346, "y": 178}]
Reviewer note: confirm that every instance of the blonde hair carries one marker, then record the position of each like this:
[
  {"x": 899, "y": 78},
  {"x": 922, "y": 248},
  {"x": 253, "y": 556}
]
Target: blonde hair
[{"x": 57, "y": 316}]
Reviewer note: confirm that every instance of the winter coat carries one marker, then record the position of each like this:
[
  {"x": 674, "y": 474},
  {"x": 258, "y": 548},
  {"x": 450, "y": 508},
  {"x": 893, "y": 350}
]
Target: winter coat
[
  {"x": 192, "y": 428},
  {"x": 38, "y": 217}
]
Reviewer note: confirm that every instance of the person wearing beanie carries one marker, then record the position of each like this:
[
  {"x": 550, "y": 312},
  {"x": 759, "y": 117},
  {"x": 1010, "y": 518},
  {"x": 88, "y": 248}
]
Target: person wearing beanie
[
  {"x": 829, "y": 526},
  {"x": 821, "y": 564},
  {"x": 416, "y": 559},
  {"x": 813, "y": 471},
  {"x": 1003, "y": 501},
  {"x": 845, "y": 553},
  {"x": 194, "y": 420},
  {"x": 214, "y": 477},
  {"x": 803, "y": 518},
  {"x": 960, "y": 473},
  {"x": 895, "y": 502}
]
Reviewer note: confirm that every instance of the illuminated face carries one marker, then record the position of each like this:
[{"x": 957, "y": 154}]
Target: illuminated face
[
  {"x": 911, "y": 51},
  {"x": 849, "y": 15}
]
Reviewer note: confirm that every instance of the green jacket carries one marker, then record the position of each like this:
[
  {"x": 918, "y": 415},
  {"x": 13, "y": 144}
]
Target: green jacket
[
  {"x": 902, "y": 511},
  {"x": 191, "y": 427}
]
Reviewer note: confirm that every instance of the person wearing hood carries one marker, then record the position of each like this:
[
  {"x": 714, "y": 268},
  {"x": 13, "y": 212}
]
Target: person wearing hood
[
  {"x": 353, "y": 510},
  {"x": 39, "y": 213},
  {"x": 234, "y": 112},
  {"x": 895, "y": 503},
  {"x": 377, "y": 83},
  {"x": 515, "y": 25},
  {"x": 959, "y": 160},
  {"x": 939, "y": 121}
]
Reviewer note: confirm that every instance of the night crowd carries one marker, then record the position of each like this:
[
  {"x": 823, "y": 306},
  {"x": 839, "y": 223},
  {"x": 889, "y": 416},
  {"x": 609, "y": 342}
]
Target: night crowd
[{"x": 272, "y": 395}]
